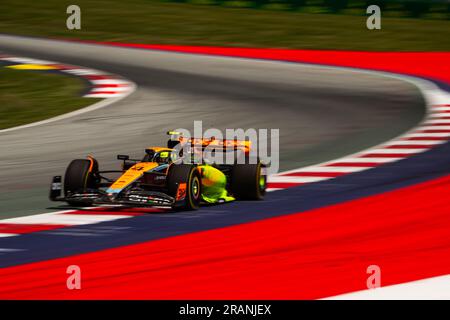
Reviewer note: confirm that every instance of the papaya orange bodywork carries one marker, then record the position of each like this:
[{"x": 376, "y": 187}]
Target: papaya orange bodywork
[{"x": 132, "y": 174}]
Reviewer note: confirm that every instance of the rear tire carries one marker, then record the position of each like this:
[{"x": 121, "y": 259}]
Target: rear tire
[
  {"x": 248, "y": 181},
  {"x": 80, "y": 176},
  {"x": 189, "y": 175}
]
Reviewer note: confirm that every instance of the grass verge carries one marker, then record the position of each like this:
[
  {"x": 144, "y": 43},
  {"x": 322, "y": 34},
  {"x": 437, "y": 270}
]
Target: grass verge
[
  {"x": 29, "y": 96},
  {"x": 153, "y": 21}
]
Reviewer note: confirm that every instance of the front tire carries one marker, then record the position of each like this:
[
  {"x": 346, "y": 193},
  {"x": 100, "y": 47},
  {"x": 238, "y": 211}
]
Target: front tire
[
  {"x": 184, "y": 184},
  {"x": 80, "y": 176}
]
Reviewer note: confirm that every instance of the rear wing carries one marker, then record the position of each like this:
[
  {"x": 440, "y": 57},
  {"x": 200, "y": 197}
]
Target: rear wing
[{"x": 217, "y": 144}]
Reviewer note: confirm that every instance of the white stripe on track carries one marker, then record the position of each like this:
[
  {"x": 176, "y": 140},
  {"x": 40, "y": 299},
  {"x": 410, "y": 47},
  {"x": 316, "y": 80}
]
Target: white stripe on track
[
  {"x": 273, "y": 189},
  {"x": 431, "y": 127},
  {"x": 439, "y": 115},
  {"x": 371, "y": 159},
  {"x": 326, "y": 169},
  {"x": 64, "y": 219},
  {"x": 436, "y": 121},
  {"x": 392, "y": 150},
  {"x": 428, "y": 135},
  {"x": 277, "y": 179},
  {"x": 441, "y": 109},
  {"x": 109, "y": 81},
  {"x": 4, "y": 235},
  {"x": 8, "y": 250},
  {"x": 414, "y": 142},
  {"x": 27, "y": 60},
  {"x": 110, "y": 89},
  {"x": 436, "y": 288},
  {"x": 83, "y": 72}
]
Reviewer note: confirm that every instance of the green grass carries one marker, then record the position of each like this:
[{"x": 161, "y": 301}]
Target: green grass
[
  {"x": 29, "y": 96},
  {"x": 153, "y": 21}
]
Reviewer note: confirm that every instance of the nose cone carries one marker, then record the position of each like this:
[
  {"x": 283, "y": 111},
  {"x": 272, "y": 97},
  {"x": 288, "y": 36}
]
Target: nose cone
[{"x": 130, "y": 176}]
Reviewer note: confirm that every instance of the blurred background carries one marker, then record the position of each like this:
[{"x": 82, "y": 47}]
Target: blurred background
[{"x": 407, "y": 25}]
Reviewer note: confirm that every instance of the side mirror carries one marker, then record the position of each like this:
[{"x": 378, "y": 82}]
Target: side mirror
[{"x": 123, "y": 157}]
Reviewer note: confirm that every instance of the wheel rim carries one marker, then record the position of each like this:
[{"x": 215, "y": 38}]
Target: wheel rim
[
  {"x": 195, "y": 187},
  {"x": 262, "y": 182}
]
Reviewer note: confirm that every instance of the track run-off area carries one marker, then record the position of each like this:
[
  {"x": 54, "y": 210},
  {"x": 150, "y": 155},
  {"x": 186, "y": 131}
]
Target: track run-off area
[{"x": 360, "y": 152}]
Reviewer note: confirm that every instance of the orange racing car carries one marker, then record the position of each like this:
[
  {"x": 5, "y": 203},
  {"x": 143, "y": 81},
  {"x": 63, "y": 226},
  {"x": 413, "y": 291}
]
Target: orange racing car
[{"x": 163, "y": 178}]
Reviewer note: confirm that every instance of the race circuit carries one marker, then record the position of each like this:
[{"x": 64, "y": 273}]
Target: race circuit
[{"x": 323, "y": 114}]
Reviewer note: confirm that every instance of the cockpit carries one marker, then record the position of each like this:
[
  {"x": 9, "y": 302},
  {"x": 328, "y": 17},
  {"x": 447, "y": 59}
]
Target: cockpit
[{"x": 160, "y": 156}]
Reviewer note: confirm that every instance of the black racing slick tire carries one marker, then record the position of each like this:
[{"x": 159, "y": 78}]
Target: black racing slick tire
[
  {"x": 184, "y": 184},
  {"x": 80, "y": 176},
  {"x": 248, "y": 181}
]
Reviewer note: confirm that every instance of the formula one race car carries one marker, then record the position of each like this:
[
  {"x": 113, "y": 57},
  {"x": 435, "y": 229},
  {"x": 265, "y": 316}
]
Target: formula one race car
[{"x": 163, "y": 179}]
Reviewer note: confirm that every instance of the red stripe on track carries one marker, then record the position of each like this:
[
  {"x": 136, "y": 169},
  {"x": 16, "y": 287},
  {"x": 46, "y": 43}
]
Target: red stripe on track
[
  {"x": 104, "y": 92},
  {"x": 282, "y": 185},
  {"x": 63, "y": 66},
  {"x": 314, "y": 174},
  {"x": 408, "y": 146},
  {"x": 97, "y": 77},
  {"x": 20, "y": 228},
  {"x": 426, "y": 138},
  {"x": 386, "y": 155},
  {"x": 433, "y": 131},
  {"x": 110, "y": 85},
  {"x": 309, "y": 255},
  {"x": 353, "y": 164}
]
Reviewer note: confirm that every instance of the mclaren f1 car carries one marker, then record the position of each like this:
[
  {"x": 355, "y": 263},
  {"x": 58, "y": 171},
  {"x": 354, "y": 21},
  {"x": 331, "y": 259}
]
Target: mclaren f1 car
[{"x": 162, "y": 178}]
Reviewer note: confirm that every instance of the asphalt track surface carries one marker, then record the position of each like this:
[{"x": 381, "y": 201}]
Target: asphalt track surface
[{"x": 322, "y": 113}]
